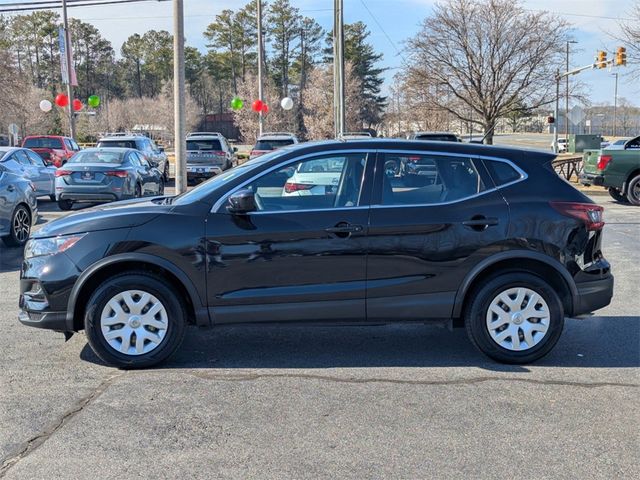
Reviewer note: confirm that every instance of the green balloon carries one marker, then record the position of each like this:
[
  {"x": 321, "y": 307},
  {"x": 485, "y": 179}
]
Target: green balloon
[
  {"x": 237, "y": 103},
  {"x": 93, "y": 101}
]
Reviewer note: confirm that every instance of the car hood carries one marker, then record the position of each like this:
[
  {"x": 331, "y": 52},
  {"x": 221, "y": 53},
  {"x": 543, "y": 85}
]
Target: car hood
[{"x": 125, "y": 214}]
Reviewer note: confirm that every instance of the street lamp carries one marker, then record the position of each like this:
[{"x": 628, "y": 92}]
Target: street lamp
[
  {"x": 615, "y": 104},
  {"x": 566, "y": 104}
]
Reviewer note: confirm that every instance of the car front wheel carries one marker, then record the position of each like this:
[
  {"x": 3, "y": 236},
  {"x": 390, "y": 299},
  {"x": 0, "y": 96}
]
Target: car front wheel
[
  {"x": 134, "y": 320},
  {"x": 515, "y": 318}
]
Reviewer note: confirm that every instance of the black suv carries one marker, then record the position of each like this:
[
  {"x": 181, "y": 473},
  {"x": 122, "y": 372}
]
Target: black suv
[{"x": 495, "y": 242}]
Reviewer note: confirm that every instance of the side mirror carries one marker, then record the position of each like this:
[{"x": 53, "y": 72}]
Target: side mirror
[
  {"x": 161, "y": 149},
  {"x": 241, "y": 202}
]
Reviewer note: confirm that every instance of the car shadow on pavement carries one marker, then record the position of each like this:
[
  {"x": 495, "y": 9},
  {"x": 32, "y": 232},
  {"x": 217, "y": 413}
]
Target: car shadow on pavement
[
  {"x": 10, "y": 258},
  {"x": 599, "y": 342}
]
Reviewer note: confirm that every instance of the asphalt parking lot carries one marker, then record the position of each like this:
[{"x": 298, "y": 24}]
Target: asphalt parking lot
[{"x": 295, "y": 402}]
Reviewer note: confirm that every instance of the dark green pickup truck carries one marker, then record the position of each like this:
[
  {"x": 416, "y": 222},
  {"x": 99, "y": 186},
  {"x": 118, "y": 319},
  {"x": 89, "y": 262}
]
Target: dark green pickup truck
[{"x": 616, "y": 168}]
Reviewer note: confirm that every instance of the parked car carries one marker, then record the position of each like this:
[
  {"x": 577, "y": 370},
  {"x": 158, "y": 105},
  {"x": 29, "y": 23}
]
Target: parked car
[
  {"x": 268, "y": 142},
  {"x": 208, "y": 154},
  {"x": 98, "y": 175},
  {"x": 616, "y": 145},
  {"x": 434, "y": 136},
  {"x": 154, "y": 154},
  {"x": 28, "y": 164},
  {"x": 320, "y": 177},
  {"x": 563, "y": 145},
  {"x": 18, "y": 207},
  {"x": 616, "y": 169},
  {"x": 54, "y": 149},
  {"x": 499, "y": 244}
]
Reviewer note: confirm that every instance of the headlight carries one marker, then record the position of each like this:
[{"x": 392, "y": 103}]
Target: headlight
[{"x": 38, "y": 247}]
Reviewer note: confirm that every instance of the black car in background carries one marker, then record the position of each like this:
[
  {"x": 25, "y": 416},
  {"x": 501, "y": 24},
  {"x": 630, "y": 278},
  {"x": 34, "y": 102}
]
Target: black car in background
[{"x": 497, "y": 243}]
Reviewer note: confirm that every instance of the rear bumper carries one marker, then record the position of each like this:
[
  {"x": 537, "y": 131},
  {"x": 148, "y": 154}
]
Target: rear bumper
[
  {"x": 88, "y": 197},
  {"x": 593, "y": 295},
  {"x": 591, "y": 179}
]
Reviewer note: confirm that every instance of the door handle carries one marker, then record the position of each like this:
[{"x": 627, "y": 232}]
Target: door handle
[
  {"x": 480, "y": 222},
  {"x": 344, "y": 229},
  {"x": 11, "y": 188}
]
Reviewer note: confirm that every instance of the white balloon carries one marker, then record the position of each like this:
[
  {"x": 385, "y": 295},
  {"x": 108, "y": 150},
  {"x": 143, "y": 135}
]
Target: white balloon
[
  {"x": 287, "y": 103},
  {"x": 45, "y": 105}
]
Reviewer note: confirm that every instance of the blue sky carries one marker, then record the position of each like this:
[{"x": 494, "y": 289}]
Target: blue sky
[{"x": 390, "y": 22}]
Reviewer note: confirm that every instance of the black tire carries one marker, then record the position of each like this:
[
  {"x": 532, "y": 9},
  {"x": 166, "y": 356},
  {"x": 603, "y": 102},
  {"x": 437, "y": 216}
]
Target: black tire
[
  {"x": 478, "y": 306},
  {"x": 633, "y": 190},
  {"x": 161, "y": 187},
  {"x": 617, "y": 195},
  {"x": 65, "y": 205},
  {"x": 52, "y": 198},
  {"x": 138, "y": 191},
  {"x": 18, "y": 236},
  {"x": 135, "y": 281}
]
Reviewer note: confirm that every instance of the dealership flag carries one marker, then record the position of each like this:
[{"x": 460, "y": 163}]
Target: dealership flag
[{"x": 63, "y": 59}]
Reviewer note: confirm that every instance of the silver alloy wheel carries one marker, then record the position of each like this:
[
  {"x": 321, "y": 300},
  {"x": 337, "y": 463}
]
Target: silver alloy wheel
[
  {"x": 518, "y": 319},
  {"x": 21, "y": 225},
  {"x": 134, "y": 322}
]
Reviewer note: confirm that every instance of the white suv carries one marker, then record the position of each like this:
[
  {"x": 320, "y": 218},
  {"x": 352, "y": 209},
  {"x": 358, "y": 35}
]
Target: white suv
[
  {"x": 272, "y": 141},
  {"x": 208, "y": 154}
]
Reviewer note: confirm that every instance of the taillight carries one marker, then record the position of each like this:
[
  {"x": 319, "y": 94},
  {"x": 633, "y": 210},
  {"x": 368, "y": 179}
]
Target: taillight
[
  {"x": 296, "y": 187},
  {"x": 116, "y": 173},
  {"x": 62, "y": 173},
  {"x": 414, "y": 159},
  {"x": 589, "y": 213},
  {"x": 603, "y": 161},
  {"x": 219, "y": 153},
  {"x": 257, "y": 153}
]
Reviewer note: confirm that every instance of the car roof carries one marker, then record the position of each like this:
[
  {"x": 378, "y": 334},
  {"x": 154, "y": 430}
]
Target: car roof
[
  {"x": 121, "y": 137},
  {"x": 276, "y": 136},
  {"x": 434, "y": 133},
  {"x": 114, "y": 149}
]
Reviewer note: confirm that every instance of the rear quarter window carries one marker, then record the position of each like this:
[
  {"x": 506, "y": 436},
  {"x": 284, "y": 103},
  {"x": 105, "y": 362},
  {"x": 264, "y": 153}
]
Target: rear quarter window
[{"x": 501, "y": 172}]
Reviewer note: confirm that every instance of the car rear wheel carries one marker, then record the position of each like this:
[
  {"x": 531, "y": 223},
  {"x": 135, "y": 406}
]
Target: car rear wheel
[
  {"x": 514, "y": 318},
  {"x": 633, "y": 190},
  {"x": 20, "y": 227},
  {"x": 138, "y": 191},
  {"x": 134, "y": 320},
  {"x": 165, "y": 174},
  {"x": 65, "y": 205},
  {"x": 617, "y": 195}
]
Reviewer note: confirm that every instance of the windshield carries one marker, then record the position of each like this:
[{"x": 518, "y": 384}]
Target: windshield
[
  {"x": 88, "y": 156},
  {"x": 203, "y": 145},
  {"x": 116, "y": 144},
  {"x": 42, "y": 142},
  {"x": 272, "y": 144},
  {"x": 207, "y": 188}
]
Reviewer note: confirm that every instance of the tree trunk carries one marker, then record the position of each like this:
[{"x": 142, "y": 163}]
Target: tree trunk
[{"x": 488, "y": 127}]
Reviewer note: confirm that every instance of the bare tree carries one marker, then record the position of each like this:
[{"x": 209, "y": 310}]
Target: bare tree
[
  {"x": 489, "y": 56},
  {"x": 630, "y": 35}
]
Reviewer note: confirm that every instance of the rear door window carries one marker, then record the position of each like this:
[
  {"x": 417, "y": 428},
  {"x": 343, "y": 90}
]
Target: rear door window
[
  {"x": 35, "y": 158},
  {"x": 22, "y": 158},
  {"x": 273, "y": 144}
]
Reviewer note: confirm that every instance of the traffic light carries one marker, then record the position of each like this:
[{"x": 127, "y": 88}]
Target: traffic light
[
  {"x": 621, "y": 56},
  {"x": 601, "y": 59}
]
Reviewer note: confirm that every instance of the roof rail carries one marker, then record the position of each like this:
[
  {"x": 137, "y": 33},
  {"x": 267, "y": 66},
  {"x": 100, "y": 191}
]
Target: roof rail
[
  {"x": 277, "y": 133},
  {"x": 122, "y": 134},
  {"x": 202, "y": 134}
]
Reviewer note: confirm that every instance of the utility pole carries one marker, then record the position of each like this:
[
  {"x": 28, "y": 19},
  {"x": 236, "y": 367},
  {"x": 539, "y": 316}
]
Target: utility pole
[
  {"x": 178, "y": 96},
  {"x": 67, "y": 51},
  {"x": 615, "y": 105},
  {"x": 566, "y": 104},
  {"x": 260, "y": 64},
  {"x": 555, "y": 113},
  {"x": 338, "y": 67}
]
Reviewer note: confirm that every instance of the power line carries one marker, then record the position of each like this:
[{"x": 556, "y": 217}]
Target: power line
[
  {"x": 381, "y": 27},
  {"x": 52, "y": 5}
]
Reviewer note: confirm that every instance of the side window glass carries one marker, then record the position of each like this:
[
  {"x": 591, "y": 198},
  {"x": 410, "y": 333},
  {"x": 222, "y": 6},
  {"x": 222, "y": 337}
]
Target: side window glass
[
  {"x": 35, "y": 158},
  {"x": 68, "y": 144},
  {"x": 22, "y": 158},
  {"x": 501, "y": 172},
  {"x": 331, "y": 181},
  {"x": 75, "y": 146},
  {"x": 134, "y": 159},
  {"x": 143, "y": 161},
  {"x": 425, "y": 179}
]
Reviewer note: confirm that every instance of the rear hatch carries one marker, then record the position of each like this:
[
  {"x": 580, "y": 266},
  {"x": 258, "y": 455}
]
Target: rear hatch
[
  {"x": 267, "y": 145},
  {"x": 205, "y": 151}
]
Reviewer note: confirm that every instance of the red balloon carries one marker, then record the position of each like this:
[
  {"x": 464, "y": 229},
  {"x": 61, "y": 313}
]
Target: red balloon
[
  {"x": 62, "y": 100},
  {"x": 77, "y": 105},
  {"x": 265, "y": 108},
  {"x": 257, "y": 106}
]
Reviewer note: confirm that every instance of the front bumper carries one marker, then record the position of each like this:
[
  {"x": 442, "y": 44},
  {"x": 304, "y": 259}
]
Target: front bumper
[
  {"x": 593, "y": 295},
  {"x": 591, "y": 179},
  {"x": 50, "y": 320}
]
